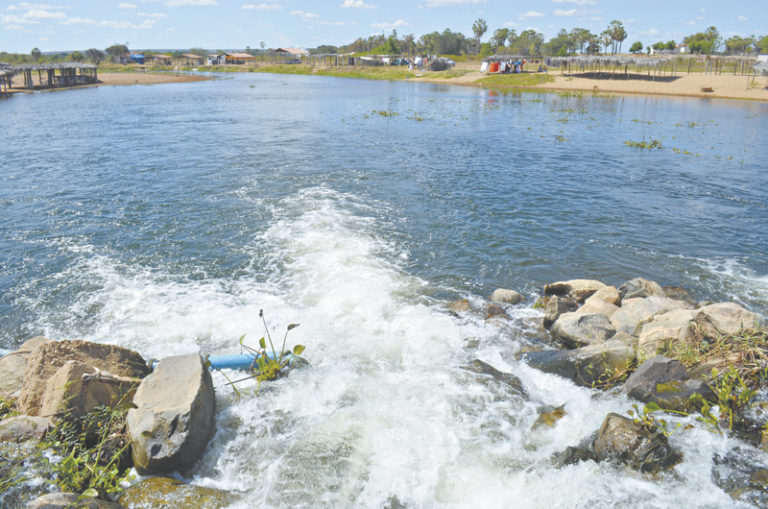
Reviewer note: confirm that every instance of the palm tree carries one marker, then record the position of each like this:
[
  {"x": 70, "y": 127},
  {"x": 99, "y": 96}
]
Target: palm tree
[
  {"x": 36, "y": 54},
  {"x": 479, "y": 27}
]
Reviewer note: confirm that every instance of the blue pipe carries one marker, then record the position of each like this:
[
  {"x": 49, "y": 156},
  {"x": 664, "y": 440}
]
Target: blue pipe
[{"x": 242, "y": 361}]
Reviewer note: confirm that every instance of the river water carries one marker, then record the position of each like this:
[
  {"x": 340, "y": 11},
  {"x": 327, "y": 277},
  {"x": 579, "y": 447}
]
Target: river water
[{"x": 163, "y": 218}]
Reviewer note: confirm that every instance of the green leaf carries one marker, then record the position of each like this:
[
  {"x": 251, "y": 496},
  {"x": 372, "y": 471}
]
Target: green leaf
[
  {"x": 298, "y": 349},
  {"x": 241, "y": 339},
  {"x": 292, "y": 326},
  {"x": 263, "y": 343},
  {"x": 652, "y": 406},
  {"x": 89, "y": 493}
]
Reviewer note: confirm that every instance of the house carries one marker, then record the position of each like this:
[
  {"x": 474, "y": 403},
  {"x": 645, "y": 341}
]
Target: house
[
  {"x": 238, "y": 58},
  {"x": 682, "y": 49},
  {"x": 132, "y": 58},
  {"x": 215, "y": 60},
  {"x": 162, "y": 59},
  {"x": 189, "y": 59},
  {"x": 293, "y": 51}
]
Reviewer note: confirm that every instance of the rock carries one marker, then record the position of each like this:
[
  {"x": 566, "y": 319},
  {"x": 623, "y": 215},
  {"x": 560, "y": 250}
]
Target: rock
[
  {"x": 577, "y": 329},
  {"x": 609, "y": 294},
  {"x": 583, "y": 451},
  {"x": 640, "y": 288},
  {"x": 459, "y": 306},
  {"x": 556, "y": 306},
  {"x": 678, "y": 293},
  {"x": 621, "y": 439},
  {"x": 549, "y": 416},
  {"x": 725, "y": 319},
  {"x": 173, "y": 421},
  {"x": 742, "y": 476},
  {"x": 634, "y": 312},
  {"x": 70, "y": 500},
  {"x": 76, "y": 388},
  {"x": 496, "y": 311},
  {"x": 577, "y": 289},
  {"x": 22, "y": 428},
  {"x": 507, "y": 296},
  {"x": 483, "y": 368},
  {"x": 46, "y": 360},
  {"x": 164, "y": 492},
  {"x": 666, "y": 382},
  {"x": 14, "y": 365},
  {"x": 666, "y": 329},
  {"x": 594, "y": 305},
  {"x": 587, "y": 365}
]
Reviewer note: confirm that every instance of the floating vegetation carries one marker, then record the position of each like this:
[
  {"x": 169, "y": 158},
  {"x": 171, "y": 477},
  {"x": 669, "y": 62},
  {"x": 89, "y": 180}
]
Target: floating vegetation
[
  {"x": 560, "y": 138},
  {"x": 564, "y": 120},
  {"x": 644, "y": 144},
  {"x": 417, "y": 118},
  {"x": 638, "y": 121},
  {"x": 385, "y": 113},
  {"x": 684, "y": 152}
]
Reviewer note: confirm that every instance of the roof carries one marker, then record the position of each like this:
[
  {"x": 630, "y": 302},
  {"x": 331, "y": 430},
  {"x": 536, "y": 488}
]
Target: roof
[
  {"x": 292, "y": 51},
  {"x": 239, "y": 55}
]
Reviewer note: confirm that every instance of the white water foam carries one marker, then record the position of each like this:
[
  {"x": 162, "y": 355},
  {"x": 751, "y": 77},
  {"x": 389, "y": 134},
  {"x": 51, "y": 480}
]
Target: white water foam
[{"x": 384, "y": 414}]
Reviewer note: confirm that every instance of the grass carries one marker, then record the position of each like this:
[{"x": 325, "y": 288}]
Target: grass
[{"x": 527, "y": 80}]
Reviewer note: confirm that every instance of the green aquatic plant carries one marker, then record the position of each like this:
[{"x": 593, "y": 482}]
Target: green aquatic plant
[
  {"x": 385, "y": 113},
  {"x": 644, "y": 144}
]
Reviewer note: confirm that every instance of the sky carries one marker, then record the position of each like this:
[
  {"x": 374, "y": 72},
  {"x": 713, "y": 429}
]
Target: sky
[{"x": 66, "y": 25}]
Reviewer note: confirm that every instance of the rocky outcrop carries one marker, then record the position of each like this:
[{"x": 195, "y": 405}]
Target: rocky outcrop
[
  {"x": 49, "y": 358},
  {"x": 577, "y": 289},
  {"x": 596, "y": 304},
  {"x": 173, "y": 421},
  {"x": 585, "y": 366},
  {"x": 163, "y": 492},
  {"x": 665, "y": 382},
  {"x": 665, "y": 330},
  {"x": 640, "y": 288},
  {"x": 636, "y": 311},
  {"x": 578, "y": 329},
  {"x": 22, "y": 428},
  {"x": 621, "y": 439},
  {"x": 505, "y": 296},
  {"x": 13, "y": 366},
  {"x": 725, "y": 319},
  {"x": 69, "y": 500}
]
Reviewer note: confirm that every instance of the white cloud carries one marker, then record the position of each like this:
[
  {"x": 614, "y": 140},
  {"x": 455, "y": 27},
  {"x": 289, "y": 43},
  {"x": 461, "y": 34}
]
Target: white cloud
[
  {"x": 743, "y": 18},
  {"x": 444, "y": 3},
  {"x": 182, "y": 3},
  {"x": 531, "y": 14},
  {"x": 127, "y": 25},
  {"x": 78, "y": 21},
  {"x": 575, "y": 2},
  {"x": 304, "y": 14},
  {"x": 28, "y": 6},
  {"x": 152, "y": 15},
  {"x": 126, "y": 6},
  {"x": 44, "y": 14},
  {"x": 263, "y": 7},
  {"x": 561, "y": 12},
  {"x": 356, "y": 4},
  {"x": 692, "y": 22},
  {"x": 13, "y": 27},
  {"x": 391, "y": 26},
  {"x": 12, "y": 19}
]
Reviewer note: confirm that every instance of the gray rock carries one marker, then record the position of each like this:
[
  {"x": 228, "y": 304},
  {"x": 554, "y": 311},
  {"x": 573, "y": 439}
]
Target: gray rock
[
  {"x": 21, "y": 428},
  {"x": 173, "y": 421},
  {"x": 621, "y": 439},
  {"x": 555, "y": 307},
  {"x": 483, "y": 368},
  {"x": 725, "y": 319},
  {"x": 587, "y": 365},
  {"x": 576, "y": 329},
  {"x": 635, "y": 312},
  {"x": 496, "y": 311},
  {"x": 70, "y": 500},
  {"x": 583, "y": 451},
  {"x": 14, "y": 365},
  {"x": 577, "y": 289},
  {"x": 164, "y": 492},
  {"x": 640, "y": 288},
  {"x": 46, "y": 360},
  {"x": 665, "y": 382},
  {"x": 507, "y": 296}
]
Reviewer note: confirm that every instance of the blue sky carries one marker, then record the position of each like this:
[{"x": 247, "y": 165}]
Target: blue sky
[{"x": 230, "y": 24}]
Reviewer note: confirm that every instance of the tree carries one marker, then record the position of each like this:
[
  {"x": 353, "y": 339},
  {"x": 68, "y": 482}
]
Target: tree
[
  {"x": 762, "y": 44},
  {"x": 94, "y": 55},
  {"x": 35, "y": 54},
  {"x": 706, "y": 43},
  {"x": 606, "y": 39},
  {"x": 479, "y": 27},
  {"x": 739, "y": 45},
  {"x": 617, "y": 34},
  {"x": 499, "y": 38},
  {"x": 580, "y": 38},
  {"x": 116, "y": 51},
  {"x": 76, "y": 56},
  {"x": 593, "y": 45},
  {"x": 511, "y": 37},
  {"x": 636, "y": 47}
]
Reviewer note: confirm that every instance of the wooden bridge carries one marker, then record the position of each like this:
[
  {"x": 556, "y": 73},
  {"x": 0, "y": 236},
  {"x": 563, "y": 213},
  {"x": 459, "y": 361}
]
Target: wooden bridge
[{"x": 65, "y": 74}]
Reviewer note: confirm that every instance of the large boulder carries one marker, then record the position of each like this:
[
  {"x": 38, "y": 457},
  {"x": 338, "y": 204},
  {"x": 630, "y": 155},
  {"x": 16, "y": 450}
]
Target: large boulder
[
  {"x": 665, "y": 382},
  {"x": 21, "y": 428},
  {"x": 578, "y": 329},
  {"x": 577, "y": 289},
  {"x": 70, "y": 500},
  {"x": 505, "y": 296},
  {"x": 585, "y": 366},
  {"x": 556, "y": 306},
  {"x": 173, "y": 419},
  {"x": 634, "y": 312},
  {"x": 163, "y": 492},
  {"x": 665, "y": 330},
  {"x": 49, "y": 358},
  {"x": 621, "y": 439},
  {"x": 725, "y": 319},
  {"x": 14, "y": 365},
  {"x": 639, "y": 288},
  {"x": 596, "y": 304}
]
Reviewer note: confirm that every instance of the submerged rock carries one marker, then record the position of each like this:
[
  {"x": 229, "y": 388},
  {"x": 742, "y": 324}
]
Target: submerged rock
[
  {"x": 549, "y": 416},
  {"x": 507, "y": 296},
  {"x": 738, "y": 474},
  {"x": 483, "y": 368},
  {"x": 173, "y": 421},
  {"x": 665, "y": 382},
  {"x": 585, "y": 366},
  {"x": 577, "y": 289},
  {"x": 164, "y": 492},
  {"x": 578, "y": 329},
  {"x": 678, "y": 293}
]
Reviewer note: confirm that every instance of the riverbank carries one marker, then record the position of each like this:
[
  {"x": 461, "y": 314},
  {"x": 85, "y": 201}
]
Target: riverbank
[{"x": 124, "y": 78}]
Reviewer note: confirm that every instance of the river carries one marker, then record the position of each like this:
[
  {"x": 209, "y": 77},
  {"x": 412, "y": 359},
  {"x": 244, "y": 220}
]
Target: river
[{"x": 163, "y": 218}]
